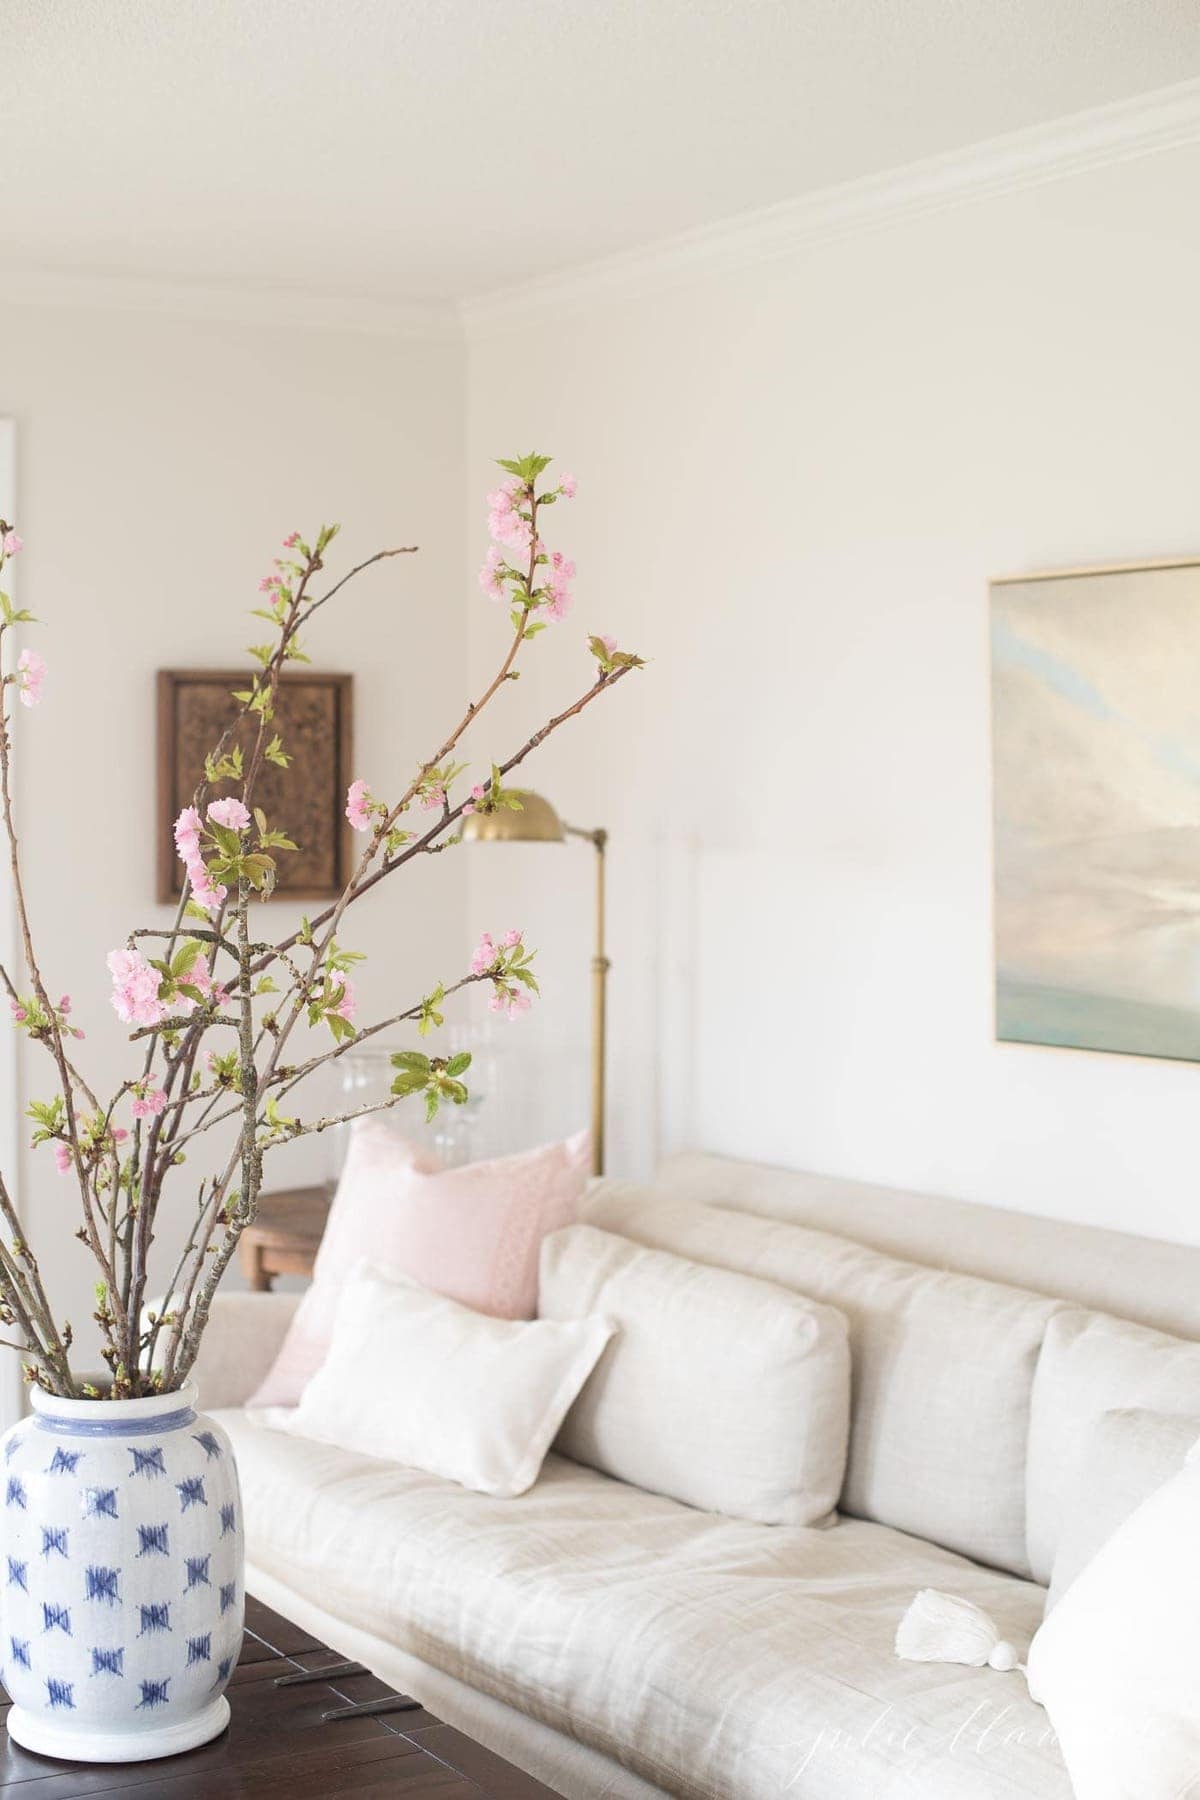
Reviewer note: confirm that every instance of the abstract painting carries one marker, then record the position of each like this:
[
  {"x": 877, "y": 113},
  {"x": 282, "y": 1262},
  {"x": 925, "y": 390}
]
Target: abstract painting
[{"x": 1096, "y": 757}]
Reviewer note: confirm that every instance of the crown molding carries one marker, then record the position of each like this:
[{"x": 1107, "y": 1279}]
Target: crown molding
[
  {"x": 1163, "y": 119},
  {"x": 249, "y": 305}
]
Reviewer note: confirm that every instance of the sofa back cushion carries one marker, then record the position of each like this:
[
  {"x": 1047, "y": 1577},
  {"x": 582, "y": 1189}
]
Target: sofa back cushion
[
  {"x": 1091, "y": 1364},
  {"x": 1130, "y": 1454},
  {"x": 943, "y": 1366},
  {"x": 717, "y": 1389}
]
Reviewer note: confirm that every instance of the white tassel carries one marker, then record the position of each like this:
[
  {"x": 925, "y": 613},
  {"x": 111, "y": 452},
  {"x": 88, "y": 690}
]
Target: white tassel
[{"x": 945, "y": 1628}]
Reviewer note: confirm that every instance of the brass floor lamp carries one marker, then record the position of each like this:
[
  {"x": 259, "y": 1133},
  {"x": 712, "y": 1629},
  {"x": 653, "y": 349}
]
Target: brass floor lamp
[{"x": 538, "y": 823}]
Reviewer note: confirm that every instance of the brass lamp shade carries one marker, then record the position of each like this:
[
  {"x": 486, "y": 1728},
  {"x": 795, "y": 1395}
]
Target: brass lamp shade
[{"x": 536, "y": 823}]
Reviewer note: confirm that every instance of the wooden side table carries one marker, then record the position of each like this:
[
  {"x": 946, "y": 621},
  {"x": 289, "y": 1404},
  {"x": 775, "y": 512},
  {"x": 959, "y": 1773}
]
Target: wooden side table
[{"x": 283, "y": 1239}]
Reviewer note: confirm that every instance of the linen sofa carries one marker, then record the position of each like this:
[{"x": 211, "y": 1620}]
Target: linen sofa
[{"x": 617, "y": 1643}]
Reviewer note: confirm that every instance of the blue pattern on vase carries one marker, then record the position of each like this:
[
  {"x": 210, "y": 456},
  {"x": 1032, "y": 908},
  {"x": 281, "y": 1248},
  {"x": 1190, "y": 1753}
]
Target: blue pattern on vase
[
  {"x": 147, "y": 1462},
  {"x": 103, "y": 1584},
  {"x": 120, "y": 1607}
]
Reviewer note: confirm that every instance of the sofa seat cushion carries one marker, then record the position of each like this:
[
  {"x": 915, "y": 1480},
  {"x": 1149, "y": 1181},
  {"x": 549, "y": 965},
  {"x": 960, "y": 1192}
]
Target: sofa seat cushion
[{"x": 714, "y": 1657}]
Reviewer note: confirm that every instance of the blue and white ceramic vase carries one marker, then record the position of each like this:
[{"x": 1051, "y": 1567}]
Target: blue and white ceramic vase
[{"x": 121, "y": 1577}]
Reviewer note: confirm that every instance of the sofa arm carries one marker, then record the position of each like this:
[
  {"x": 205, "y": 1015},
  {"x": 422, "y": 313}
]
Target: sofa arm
[{"x": 240, "y": 1342}]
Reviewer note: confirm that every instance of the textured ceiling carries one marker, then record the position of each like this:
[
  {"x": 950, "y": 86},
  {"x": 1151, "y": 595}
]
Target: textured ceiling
[{"x": 432, "y": 148}]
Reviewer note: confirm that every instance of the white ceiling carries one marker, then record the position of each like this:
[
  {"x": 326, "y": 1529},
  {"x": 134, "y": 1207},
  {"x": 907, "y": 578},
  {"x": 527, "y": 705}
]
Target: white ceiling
[{"x": 421, "y": 149}]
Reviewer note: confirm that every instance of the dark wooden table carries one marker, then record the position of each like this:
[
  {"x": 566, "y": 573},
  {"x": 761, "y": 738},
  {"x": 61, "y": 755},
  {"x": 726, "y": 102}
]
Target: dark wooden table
[
  {"x": 285, "y": 1235},
  {"x": 279, "y": 1743}
]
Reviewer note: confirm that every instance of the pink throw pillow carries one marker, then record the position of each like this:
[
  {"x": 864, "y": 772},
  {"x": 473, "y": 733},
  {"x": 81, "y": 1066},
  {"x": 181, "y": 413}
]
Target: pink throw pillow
[{"x": 472, "y": 1233}]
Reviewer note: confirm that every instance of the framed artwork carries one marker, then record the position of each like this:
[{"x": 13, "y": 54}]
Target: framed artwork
[
  {"x": 1096, "y": 805},
  {"x": 314, "y": 717}
]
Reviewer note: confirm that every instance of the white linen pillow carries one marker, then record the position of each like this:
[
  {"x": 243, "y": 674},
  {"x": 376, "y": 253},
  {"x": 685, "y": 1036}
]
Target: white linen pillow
[
  {"x": 720, "y": 1390},
  {"x": 1115, "y": 1663},
  {"x": 1131, "y": 1453},
  {"x": 1090, "y": 1364},
  {"x": 414, "y": 1378}
]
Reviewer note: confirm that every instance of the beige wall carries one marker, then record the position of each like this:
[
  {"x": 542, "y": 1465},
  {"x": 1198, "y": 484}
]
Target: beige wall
[
  {"x": 160, "y": 461},
  {"x": 794, "y": 485}
]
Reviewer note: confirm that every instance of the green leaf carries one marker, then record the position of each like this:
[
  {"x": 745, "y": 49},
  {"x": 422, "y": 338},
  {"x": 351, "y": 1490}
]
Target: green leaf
[
  {"x": 404, "y": 1085},
  {"x": 186, "y": 957},
  {"x": 226, "y": 838},
  {"x": 458, "y": 1065},
  {"x": 411, "y": 1061}
]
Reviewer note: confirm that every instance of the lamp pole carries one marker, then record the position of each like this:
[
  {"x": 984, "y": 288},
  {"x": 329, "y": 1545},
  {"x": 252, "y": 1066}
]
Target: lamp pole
[{"x": 600, "y": 967}]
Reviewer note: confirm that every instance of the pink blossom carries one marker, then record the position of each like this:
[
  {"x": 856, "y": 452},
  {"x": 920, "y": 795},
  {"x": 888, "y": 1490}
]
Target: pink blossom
[
  {"x": 347, "y": 1005},
  {"x": 434, "y": 796},
  {"x": 358, "y": 805},
  {"x": 64, "y": 1005},
  {"x": 568, "y": 486},
  {"x": 119, "y": 1134},
  {"x": 496, "y": 1003},
  {"x": 485, "y": 955},
  {"x": 230, "y": 813},
  {"x": 511, "y": 939},
  {"x": 558, "y": 597},
  {"x": 291, "y": 540},
  {"x": 13, "y": 542},
  {"x": 187, "y": 833},
  {"x": 63, "y": 1158},
  {"x": 188, "y": 826},
  {"x": 33, "y": 672},
  {"x": 489, "y": 575},
  {"x": 511, "y": 529},
  {"x": 205, "y": 892},
  {"x": 18, "y": 1012},
  {"x": 518, "y": 1002},
  {"x": 558, "y": 589},
  {"x": 135, "y": 989},
  {"x": 152, "y": 1101},
  {"x": 199, "y": 978},
  {"x": 505, "y": 523}
]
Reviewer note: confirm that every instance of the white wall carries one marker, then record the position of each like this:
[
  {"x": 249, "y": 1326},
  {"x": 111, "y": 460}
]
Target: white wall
[
  {"x": 160, "y": 462},
  {"x": 794, "y": 485}
]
